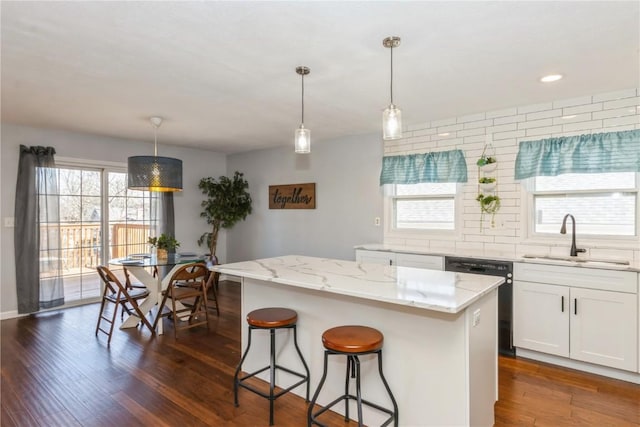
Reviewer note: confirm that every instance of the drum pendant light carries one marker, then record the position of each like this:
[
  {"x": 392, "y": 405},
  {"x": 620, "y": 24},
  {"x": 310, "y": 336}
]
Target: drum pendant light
[
  {"x": 392, "y": 115},
  {"x": 302, "y": 138},
  {"x": 153, "y": 173}
]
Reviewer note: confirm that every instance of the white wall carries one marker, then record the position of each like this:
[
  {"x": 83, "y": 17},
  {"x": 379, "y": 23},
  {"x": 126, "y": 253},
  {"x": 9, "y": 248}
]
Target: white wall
[
  {"x": 189, "y": 226},
  {"x": 598, "y": 113},
  {"x": 346, "y": 173}
]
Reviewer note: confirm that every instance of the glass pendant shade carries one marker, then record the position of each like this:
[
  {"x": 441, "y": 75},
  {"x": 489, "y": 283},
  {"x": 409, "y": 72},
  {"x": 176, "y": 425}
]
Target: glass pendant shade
[
  {"x": 152, "y": 173},
  {"x": 302, "y": 140},
  {"x": 391, "y": 123}
]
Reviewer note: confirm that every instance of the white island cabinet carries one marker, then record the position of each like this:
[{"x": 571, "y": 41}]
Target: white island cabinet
[
  {"x": 440, "y": 333},
  {"x": 587, "y": 315}
]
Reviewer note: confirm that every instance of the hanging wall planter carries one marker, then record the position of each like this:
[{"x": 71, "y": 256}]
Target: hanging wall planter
[
  {"x": 489, "y": 204},
  {"x": 487, "y": 184}
]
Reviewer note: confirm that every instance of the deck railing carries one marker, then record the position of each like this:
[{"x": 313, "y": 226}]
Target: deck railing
[{"x": 81, "y": 244}]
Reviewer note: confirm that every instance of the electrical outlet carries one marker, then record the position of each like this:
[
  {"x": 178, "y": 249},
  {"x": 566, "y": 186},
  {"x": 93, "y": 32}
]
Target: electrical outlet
[
  {"x": 9, "y": 221},
  {"x": 376, "y": 221},
  {"x": 476, "y": 317}
]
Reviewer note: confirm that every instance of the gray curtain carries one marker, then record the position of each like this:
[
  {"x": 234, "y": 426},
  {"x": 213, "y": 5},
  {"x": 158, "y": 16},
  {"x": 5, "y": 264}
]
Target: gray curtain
[{"x": 37, "y": 231}]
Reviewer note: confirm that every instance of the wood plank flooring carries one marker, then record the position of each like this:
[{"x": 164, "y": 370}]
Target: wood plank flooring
[{"x": 55, "y": 372}]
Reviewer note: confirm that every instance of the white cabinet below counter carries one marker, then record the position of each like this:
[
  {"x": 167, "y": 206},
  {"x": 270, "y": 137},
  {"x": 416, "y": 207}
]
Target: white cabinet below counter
[
  {"x": 400, "y": 259},
  {"x": 587, "y": 315}
]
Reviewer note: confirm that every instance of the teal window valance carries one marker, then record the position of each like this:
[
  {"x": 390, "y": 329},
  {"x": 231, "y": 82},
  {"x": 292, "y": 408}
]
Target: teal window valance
[
  {"x": 595, "y": 153},
  {"x": 441, "y": 166}
]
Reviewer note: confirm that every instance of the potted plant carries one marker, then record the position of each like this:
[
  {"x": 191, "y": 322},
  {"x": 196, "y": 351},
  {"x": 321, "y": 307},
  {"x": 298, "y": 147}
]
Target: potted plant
[
  {"x": 487, "y": 163},
  {"x": 227, "y": 202},
  {"x": 487, "y": 183},
  {"x": 163, "y": 244},
  {"x": 489, "y": 204}
]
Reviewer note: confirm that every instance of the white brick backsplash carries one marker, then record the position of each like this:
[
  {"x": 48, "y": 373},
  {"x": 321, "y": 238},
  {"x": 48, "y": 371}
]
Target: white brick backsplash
[
  {"x": 478, "y": 124},
  {"x": 535, "y": 123},
  {"x": 620, "y": 121},
  {"x": 587, "y": 126},
  {"x": 544, "y": 114},
  {"x": 617, "y": 112},
  {"x": 508, "y": 135},
  {"x": 535, "y": 107},
  {"x": 510, "y": 119},
  {"x": 568, "y": 119},
  {"x": 544, "y": 132},
  {"x": 419, "y": 126},
  {"x": 471, "y": 118},
  {"x": 507, "y": 128},
  {"x": 502, "y": 128},
  {"x": 502, "y": 113},
  {"x": 572, "y": 102},
  {"x": 628, "y": 93},
  {"x": 619, "y": 103},
  {"x": 581, "y": 109}
]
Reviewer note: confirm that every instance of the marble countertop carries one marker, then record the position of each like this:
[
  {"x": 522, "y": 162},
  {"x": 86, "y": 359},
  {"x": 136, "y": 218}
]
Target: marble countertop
[
  {"x": 580, "y": 261},
  {"x": 415, "y": 287}
]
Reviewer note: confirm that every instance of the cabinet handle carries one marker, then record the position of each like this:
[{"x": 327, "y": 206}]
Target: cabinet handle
[
  {"x": 563, "y": 303},
  {"x": 575, "y": 306},
  {"x": 390, "y": 262}
]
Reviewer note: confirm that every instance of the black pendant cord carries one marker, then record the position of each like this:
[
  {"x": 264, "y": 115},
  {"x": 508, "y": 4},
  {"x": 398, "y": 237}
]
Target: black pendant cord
[
  {"x": 391, "y": 73},
  {"x": 302, "y": 99}
]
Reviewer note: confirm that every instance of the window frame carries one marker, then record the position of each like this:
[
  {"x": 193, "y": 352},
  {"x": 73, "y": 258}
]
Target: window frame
[
  {"x": 529, "y": 203},
  {"x": 390, "y": 215}
]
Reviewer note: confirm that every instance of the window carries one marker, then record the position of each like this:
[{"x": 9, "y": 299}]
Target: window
[
  {"x": 603, "y": 203},
  {"x": 427, "y": 206},
  {"x": 100, "y": 219}
]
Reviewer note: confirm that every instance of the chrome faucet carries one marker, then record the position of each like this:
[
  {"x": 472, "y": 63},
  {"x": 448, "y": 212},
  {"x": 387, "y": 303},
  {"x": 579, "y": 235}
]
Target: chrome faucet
[{"x": 563, "y": 230}]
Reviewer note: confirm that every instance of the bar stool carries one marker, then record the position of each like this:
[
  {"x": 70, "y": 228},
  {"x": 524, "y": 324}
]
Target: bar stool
[
  {"x": 271, "y": 319},
  {"x": 352, "y": 341}
]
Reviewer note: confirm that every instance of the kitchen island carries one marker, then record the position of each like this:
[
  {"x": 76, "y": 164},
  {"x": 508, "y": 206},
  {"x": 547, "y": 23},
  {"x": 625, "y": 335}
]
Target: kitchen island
[{"x": 440, "y": 329}]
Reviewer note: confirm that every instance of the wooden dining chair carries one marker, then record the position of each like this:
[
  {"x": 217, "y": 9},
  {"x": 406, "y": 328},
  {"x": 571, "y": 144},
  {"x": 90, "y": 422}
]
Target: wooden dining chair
[
  {"x": 117, "y": 294},
  {"x": 188, "y": 285}
]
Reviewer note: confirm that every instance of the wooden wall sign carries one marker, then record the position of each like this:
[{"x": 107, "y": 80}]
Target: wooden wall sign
[{"x": 292, "y": 196}]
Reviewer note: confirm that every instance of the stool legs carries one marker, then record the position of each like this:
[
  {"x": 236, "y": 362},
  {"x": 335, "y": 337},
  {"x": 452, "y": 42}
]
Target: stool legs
[
  {"x": 272, "y": 396},
  {"x": 353, "y": 371}
]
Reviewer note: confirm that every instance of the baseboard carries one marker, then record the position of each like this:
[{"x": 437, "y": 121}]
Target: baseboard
[
  {"x": 11, "y": 315},
  {"x": 605, "y": 371}
]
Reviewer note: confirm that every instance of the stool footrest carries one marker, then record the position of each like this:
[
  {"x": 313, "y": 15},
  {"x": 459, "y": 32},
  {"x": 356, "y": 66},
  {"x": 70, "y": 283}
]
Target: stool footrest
[
  {"x": 275, "y": 395},
  {"x": 350, "y": 396}
]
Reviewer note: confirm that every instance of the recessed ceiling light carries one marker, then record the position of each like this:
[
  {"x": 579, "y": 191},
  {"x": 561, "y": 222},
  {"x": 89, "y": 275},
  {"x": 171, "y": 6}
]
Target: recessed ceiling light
[
  {"x": 569, "y": 117},
  {"x": 444, "y": 134},
  {"x": 551, "y": 78}
]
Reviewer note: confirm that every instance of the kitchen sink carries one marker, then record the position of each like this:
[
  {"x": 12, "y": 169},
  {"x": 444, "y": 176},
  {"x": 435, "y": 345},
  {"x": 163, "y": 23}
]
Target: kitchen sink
[{"x": 577, "y": 259}]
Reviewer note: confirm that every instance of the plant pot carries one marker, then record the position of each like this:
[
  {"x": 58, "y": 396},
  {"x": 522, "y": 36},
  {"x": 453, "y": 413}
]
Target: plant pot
[
  {"x": 162, "y": 254},
  {"x": 489, "y": 186},
  {"x": 489, "y": 167}
]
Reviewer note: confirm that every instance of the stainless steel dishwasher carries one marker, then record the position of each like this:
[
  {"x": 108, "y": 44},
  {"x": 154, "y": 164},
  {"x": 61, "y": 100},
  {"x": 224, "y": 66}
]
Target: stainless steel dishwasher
[{"x": 491, "y": 267}]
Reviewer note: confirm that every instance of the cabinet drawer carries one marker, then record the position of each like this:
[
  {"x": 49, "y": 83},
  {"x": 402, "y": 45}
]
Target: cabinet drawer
[
  {"x": 432, "y": 262},
  {"x": 579, "y": 277}
]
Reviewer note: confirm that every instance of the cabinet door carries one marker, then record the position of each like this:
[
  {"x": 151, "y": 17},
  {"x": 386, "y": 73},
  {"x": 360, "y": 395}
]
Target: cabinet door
[
  {"x": 604, "y": 328},
  {"x": 375, "y": 257},
  {"x": 432, "y": 262},
  {"x": 541, "y": 317}
]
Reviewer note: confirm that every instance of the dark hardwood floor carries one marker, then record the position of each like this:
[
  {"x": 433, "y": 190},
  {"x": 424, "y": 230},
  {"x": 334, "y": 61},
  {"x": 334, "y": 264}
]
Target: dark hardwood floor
[{"x": 55, "y": 372}]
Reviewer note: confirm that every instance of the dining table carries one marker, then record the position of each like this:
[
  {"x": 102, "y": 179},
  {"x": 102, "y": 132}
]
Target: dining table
[{"x": 141, "y": 266}]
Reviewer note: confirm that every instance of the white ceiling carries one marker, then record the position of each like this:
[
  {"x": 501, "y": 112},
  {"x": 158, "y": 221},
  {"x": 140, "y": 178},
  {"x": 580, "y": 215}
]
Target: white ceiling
[{"x": 222, "y": 74}]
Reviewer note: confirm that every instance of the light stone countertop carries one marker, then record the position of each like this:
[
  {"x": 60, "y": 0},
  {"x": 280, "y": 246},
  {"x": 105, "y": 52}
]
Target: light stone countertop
[
  {"x": 415, "y": 287},
  {"x": 580, "y": 261}
]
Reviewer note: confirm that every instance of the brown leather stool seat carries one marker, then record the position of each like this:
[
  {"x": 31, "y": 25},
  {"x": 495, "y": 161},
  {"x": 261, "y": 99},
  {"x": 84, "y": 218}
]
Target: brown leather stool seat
[
  {"x": 271, "y": 319},
  {"x": 352, "y": 341}
]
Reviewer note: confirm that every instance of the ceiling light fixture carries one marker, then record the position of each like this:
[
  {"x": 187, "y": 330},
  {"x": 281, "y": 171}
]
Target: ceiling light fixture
[
  {"x": 153, "y": 173},
  {"x": 392, "y": 115},
  {"x": 551, "y": 78},
  {"x": 302, "y": 139}
]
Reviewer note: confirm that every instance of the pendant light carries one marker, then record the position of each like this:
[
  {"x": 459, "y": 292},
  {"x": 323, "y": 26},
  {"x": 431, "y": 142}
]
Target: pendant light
[
  {"x": 302, "y": 139},
  {"x": 392, "y": 115},
  {"x": 153, "y": 173}
]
